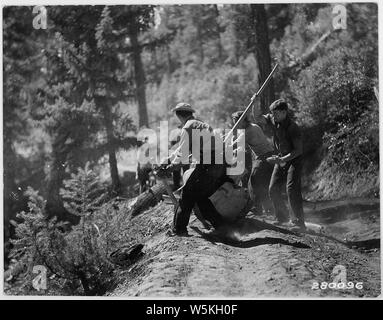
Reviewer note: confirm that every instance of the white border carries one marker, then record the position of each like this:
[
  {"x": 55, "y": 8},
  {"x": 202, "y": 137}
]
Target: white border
[
  {"x": 161, "y": 2},
  {"x": 170, "y": 2}
]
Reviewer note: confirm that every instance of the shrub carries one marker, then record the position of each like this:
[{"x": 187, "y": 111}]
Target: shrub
[
  {"x": 76, "y": 260},
  {"x": 334, "y": 90},
  {"x": 355, "y": 145},
  {"x": 334, "y": 100}
]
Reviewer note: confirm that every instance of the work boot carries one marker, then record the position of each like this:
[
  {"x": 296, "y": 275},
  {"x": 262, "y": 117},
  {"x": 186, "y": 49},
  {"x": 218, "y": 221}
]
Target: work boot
[
  {"x": 174, "y": 233},
  {"x": 296, "y": 226},
  {"x": 280, "y": 222}
]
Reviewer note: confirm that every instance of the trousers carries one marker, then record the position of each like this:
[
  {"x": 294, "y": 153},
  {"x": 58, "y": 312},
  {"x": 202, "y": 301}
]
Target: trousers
[
  {"x": 202, "y": 183},
  {"x": 290, "y": 177},
  {"x": 259, "y": 183}
]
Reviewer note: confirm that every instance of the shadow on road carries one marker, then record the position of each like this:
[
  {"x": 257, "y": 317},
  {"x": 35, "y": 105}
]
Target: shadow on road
[{"x": 249, "y": 226}]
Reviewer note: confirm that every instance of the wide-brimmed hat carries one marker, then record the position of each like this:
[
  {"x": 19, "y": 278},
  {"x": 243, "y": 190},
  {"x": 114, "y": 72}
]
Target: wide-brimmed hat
[{"x": 182, "y": 106}]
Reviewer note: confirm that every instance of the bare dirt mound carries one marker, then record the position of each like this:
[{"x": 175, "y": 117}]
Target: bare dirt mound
[{"x": 251, "y": 259}]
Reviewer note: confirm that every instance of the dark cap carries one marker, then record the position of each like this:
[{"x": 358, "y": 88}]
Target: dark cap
[{"x": 279, "y": 104}]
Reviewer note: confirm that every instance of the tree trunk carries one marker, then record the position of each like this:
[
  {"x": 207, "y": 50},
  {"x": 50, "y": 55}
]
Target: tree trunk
[
  {"x": 218, "y": 32},
  {"x": 235, "y": 36},
  {"x": 54, "y": 205},
  {"x": 85, "y": 283},
  {"x": 103, "y": 105},
  {"x": 200, "y": 43},
  {"x": 157, "y": 76},
  {"x": 139, "y": 77},
  {"x": 169, "y": 61},
  {"x": 262, "y": 53}
]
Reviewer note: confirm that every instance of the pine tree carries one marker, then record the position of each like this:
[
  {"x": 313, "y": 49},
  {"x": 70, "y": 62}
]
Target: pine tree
[
  {"x": 86, "y": 251},
  {"x": 32, "y": 234},
  {"x": 96, "y": 61},
  {"x": 77, "y": 258},
  {"x": 22, "y": 80},
  {"x": 83, "y": 193}
]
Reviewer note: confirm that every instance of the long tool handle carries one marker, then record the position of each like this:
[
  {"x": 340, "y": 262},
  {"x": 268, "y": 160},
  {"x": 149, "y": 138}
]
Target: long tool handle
[{"x": 250, "y": 104}]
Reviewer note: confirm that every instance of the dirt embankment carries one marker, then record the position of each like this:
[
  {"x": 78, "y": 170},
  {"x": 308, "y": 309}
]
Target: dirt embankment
[{"x": 255, "y": 259}]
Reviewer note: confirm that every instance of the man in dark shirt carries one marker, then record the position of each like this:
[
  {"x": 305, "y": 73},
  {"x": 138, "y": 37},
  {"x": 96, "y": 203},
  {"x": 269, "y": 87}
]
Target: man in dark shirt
[
  {"x": 206, "y": 178},
  {"x": 287, "y": 141},
  {"x": 260, "y": 169}
]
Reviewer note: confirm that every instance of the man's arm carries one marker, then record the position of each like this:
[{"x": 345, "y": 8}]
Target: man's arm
[
  {"x": 172, "y": 162},
  {"x": 296, "y": 152},
  {"x": 177, "y": 154},
  {"x": 176, "y": 158},
  {"x": 264, "y": 119}
]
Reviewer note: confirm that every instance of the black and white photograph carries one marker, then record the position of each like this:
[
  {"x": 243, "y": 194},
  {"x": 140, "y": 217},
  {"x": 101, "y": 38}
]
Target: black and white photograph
[{"x": 170, "y": 150}]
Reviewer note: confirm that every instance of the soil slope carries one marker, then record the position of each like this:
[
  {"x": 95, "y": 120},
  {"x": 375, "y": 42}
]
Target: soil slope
[{"x": 252, "y": 258}]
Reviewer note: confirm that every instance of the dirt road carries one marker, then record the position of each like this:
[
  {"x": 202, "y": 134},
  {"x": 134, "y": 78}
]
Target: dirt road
[{"x": 250, "y": 260}]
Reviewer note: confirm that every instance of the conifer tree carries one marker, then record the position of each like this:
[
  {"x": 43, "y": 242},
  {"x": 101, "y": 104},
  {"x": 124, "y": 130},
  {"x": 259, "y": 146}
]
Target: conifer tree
[
  {"x": 96, "y": 66},
  {"x": 21, "y": 80},
  {"x": 78, "y": 258}
]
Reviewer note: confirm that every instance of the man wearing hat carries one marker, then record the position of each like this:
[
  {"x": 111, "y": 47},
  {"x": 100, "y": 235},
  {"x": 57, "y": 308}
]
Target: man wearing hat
[
  {"x": 287, "y": 141},
  {"x": 204, "y": 180},
  {"x": 261, "y": 170}
]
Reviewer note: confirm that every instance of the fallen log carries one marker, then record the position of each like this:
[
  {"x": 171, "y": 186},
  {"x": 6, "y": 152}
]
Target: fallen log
[{"x": 148, "y": 199}]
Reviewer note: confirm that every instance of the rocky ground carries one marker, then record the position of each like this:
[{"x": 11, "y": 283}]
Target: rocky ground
[{"x": 254, "y": 259}]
